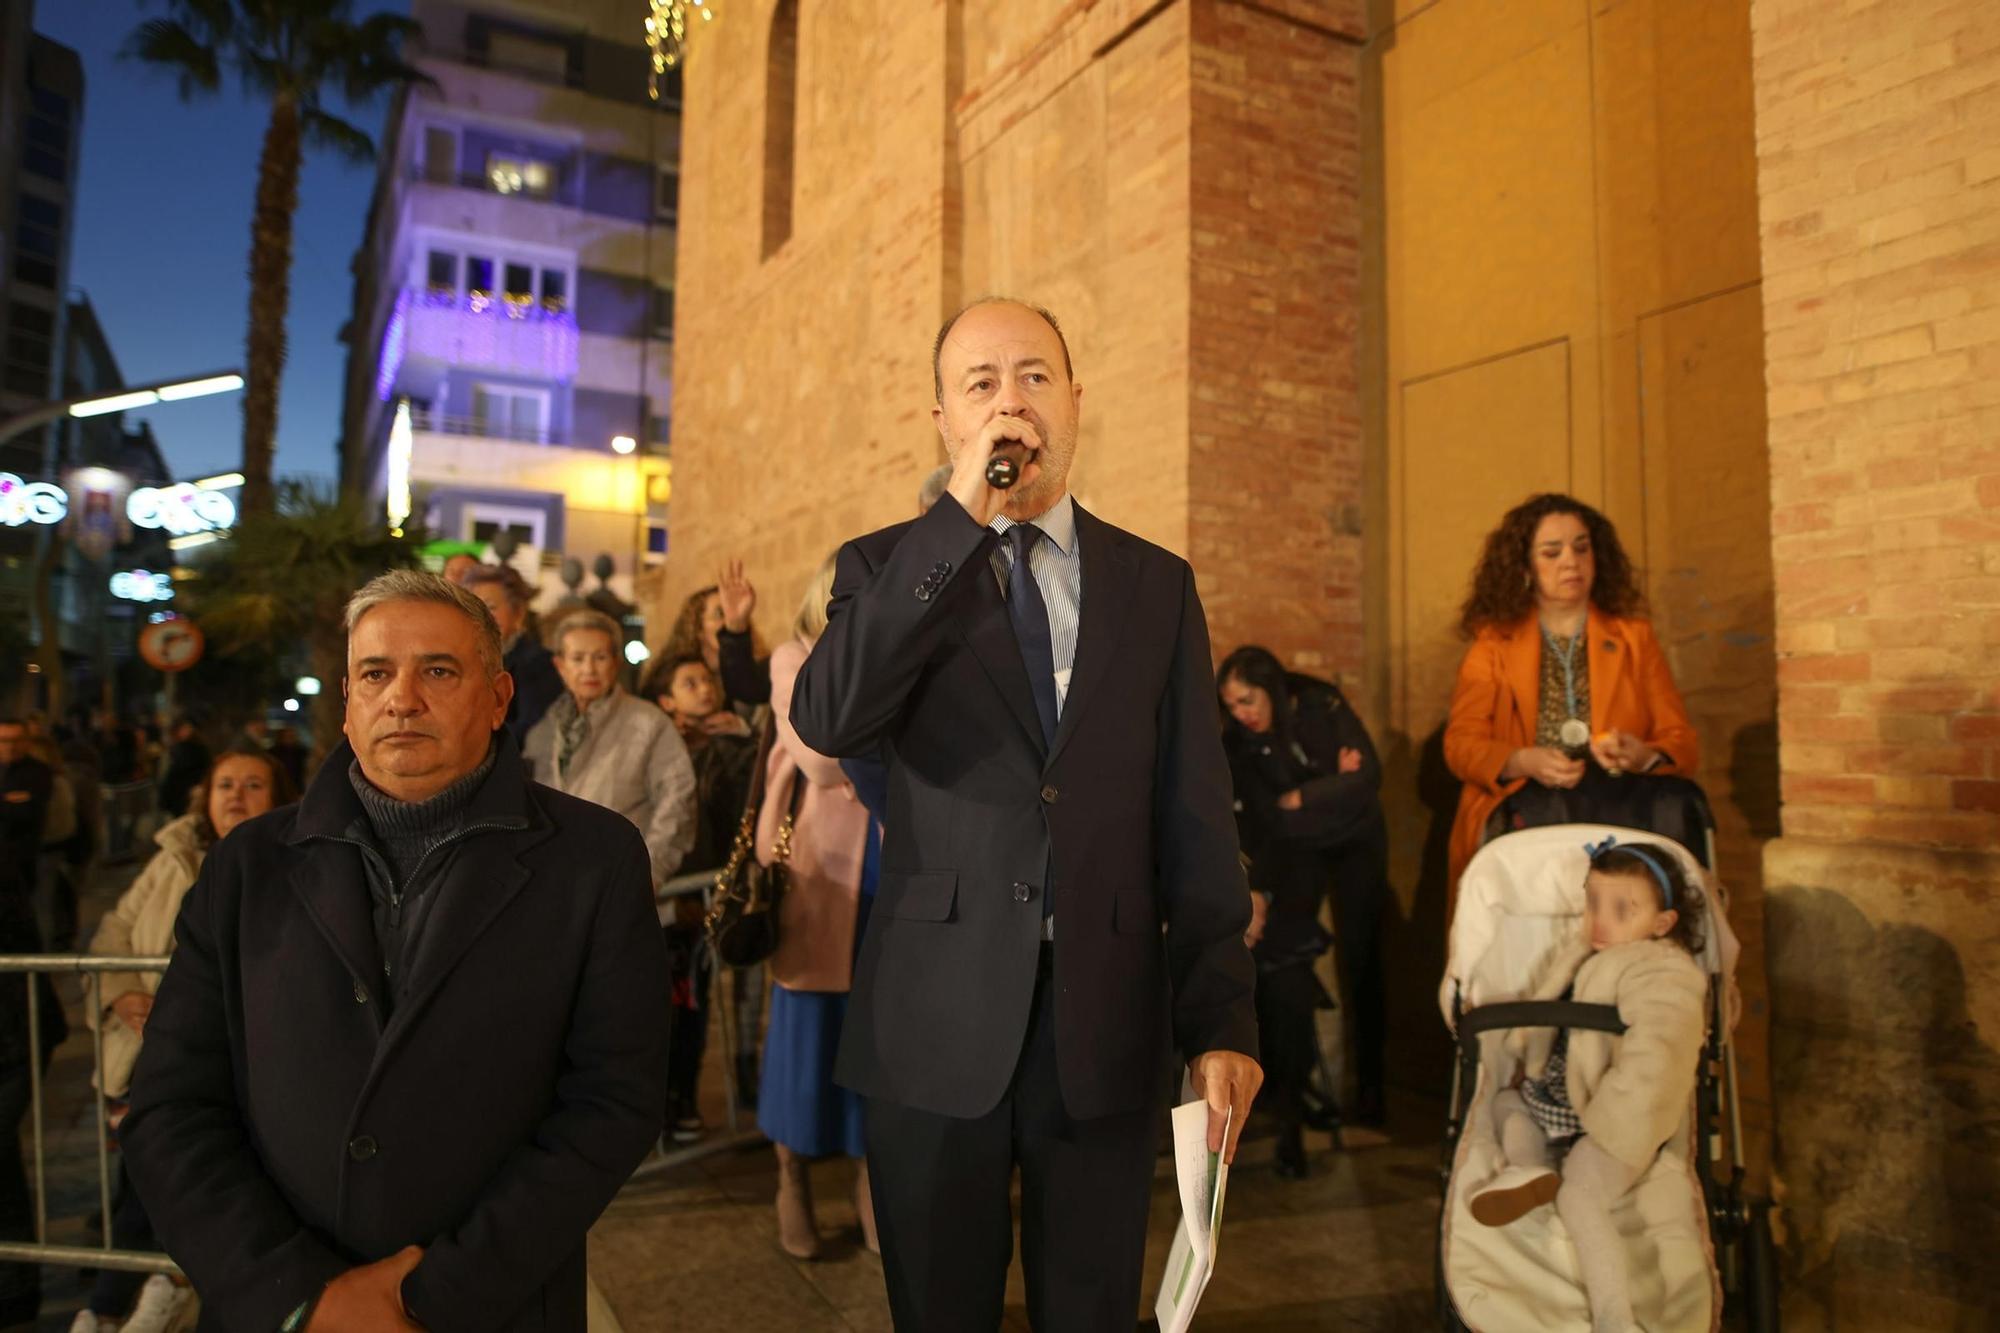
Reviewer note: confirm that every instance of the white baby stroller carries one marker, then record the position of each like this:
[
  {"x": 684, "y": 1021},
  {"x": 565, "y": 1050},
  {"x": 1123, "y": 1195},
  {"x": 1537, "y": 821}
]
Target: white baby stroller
[{"x": 1517, "y": 899}]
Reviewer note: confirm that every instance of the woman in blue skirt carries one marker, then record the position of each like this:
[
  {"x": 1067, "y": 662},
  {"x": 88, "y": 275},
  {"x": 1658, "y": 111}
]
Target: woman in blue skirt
[{"x": 832, "y": 853}]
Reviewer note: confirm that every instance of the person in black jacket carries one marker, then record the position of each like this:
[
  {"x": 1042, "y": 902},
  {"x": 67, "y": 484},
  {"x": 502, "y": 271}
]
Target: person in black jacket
[
  {"x": 187, "y": 760},
  {"x": 1038, "y": 686},
  {"x": 412, "y": 1041},
  {"x": 1310, "y": 816},
  {"x": 529, "y": 663}
]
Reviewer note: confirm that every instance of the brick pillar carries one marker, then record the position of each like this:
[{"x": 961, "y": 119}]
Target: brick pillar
[
  {"x": 1274, "y": 448},
  {"x": 1878, "y": 133}
]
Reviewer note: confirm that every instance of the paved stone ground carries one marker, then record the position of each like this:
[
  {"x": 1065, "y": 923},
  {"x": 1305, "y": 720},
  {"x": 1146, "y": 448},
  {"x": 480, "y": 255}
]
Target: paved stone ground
[{"x": 1347, "y": 1248}]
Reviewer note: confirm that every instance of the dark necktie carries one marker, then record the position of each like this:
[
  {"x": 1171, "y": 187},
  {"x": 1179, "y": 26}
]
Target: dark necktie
[{"x": 1031, "y": 626}]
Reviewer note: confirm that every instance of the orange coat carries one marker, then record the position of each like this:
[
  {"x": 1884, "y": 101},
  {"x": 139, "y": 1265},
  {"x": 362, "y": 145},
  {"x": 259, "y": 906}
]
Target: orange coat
[{"x": 1497, "y": 699}]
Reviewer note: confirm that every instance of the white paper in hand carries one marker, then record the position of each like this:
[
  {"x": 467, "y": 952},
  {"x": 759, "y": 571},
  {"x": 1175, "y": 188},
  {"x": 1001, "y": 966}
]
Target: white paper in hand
[{"x": 1204, "y": 1178}]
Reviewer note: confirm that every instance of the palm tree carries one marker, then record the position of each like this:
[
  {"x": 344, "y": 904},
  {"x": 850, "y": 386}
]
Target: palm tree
[
  {"x": 281, "y": 579},
  {"x": 293, "y": 53}
]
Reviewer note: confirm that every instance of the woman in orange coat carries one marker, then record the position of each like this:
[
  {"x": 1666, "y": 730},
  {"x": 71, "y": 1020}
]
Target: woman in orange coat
[{"x": 1563, "y": 670}]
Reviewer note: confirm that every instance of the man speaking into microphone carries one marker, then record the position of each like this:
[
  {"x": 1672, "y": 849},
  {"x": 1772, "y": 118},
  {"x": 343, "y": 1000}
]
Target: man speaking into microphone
[{"x": 1061, "y": 903}]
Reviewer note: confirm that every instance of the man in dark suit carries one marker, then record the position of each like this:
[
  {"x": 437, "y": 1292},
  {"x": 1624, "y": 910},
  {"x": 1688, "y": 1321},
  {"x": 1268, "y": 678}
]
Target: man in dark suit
[
  {"x": 413, "y": 1038},
  {"x": 1039, "y": 686}
]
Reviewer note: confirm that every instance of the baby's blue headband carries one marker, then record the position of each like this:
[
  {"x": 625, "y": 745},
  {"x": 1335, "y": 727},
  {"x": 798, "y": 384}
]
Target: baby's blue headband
[{"x": 1647, "y": 856}]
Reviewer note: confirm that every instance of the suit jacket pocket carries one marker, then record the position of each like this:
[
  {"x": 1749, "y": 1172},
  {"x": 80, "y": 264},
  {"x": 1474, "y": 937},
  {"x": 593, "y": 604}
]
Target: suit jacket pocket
[
  {"x": 1132, "y": 912},
  {"x": 929, "y": 896}
]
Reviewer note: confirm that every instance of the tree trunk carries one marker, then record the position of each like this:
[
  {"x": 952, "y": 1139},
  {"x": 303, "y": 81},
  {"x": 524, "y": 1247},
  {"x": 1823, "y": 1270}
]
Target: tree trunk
[{"x": 270, "y": 298}]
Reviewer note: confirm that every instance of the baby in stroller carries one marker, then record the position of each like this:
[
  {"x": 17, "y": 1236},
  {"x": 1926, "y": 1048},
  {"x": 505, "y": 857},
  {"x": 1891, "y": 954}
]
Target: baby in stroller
[{"x": 1590, "y": 1110}]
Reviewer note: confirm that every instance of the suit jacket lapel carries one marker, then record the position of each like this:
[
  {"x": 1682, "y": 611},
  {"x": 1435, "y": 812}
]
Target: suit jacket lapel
[
  {"x": 1110, "y": 588},
  {"x": 989, "y": 632}
]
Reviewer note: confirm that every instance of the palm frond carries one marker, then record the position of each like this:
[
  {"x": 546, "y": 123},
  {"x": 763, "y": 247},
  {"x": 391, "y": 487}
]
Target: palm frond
[
  {"x": 330, "y": 131},
  {"x": 171, "y": 45}
]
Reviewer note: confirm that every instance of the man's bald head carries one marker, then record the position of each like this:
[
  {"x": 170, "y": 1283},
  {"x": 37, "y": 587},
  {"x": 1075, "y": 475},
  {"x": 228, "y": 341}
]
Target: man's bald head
[{"x": 944, "y": 332}]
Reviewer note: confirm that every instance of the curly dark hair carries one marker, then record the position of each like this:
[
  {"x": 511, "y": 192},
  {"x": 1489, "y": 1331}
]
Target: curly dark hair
[
  {"x": 1503, "y": 584},
  {"x": 685, "y": 638},
  {"x": 1639, "y": 860}
]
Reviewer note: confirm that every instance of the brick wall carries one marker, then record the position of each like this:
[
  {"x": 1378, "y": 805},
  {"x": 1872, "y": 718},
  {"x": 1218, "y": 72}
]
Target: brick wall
[
  {"x": 1878, "y": 132},
  {"x": 1274, "y": 428},
  {"x": 1175, "y": 181}
]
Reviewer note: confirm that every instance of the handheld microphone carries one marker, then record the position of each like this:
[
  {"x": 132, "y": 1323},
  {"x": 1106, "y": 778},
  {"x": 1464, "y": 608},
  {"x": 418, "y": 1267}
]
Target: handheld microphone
[{"x": 1003, "y": 470}]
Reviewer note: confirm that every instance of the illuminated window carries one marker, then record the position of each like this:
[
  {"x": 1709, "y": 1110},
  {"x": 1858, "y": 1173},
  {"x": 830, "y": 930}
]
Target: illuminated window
[{"x": 520, "y": 175}]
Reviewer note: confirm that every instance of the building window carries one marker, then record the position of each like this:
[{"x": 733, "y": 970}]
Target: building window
[
  {"x": 529, "y": 53},
  {"x": 33, "y": 271},
  {"x": 46, "y": 151},
  {"x": 663, "y": 313},
  {"x": 479, "y": 276},
  {"x": 660, "y": 429},
  {"x": 667, "y": 195},
  {"x": 520, "y": 175},
  {"x": 521, "y": 284},
  {"x": 781, "y": 77},
  {"x": 484, "y": 522},
  {"x": 506, "y": 412},
  {"x": 443, "y": 275},
  {"x": 30, "y": 348},
  {"x": 555, "y": 290},
  {"x": 440, "y": 154},
  {"x": 39, "y": 231}
]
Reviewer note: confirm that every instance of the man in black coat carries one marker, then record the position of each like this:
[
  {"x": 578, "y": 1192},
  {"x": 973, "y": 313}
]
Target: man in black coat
[
  {"x": 412, "y": 1041},
  {"x": 530, "y": 665},
  {"x": 1039, "y": 686},
  {"x": 187, "y": 760}
]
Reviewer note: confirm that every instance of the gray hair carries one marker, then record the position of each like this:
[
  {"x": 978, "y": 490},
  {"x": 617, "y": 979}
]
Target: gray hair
[
  {"x": 932, "y": 490},
  {"x": 416, "y": 585},
  {"x": 587, "y": 621}
]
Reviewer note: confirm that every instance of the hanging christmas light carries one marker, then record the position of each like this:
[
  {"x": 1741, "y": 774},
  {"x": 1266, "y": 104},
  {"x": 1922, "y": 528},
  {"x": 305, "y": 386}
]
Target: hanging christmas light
[{"x": 667, "y": 23}]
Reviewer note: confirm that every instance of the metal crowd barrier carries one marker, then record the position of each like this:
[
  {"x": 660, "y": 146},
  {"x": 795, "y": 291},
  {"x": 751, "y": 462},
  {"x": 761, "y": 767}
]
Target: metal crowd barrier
[
  {"x": 30, "y": 966},
  {"x": 40, "y": 1251}
]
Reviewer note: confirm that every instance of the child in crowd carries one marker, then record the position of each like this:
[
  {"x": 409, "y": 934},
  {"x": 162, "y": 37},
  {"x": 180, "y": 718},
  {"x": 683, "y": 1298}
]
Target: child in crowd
[
  {"x": 724, "y": 754},
  {"x": 1589, "y": 1111}
]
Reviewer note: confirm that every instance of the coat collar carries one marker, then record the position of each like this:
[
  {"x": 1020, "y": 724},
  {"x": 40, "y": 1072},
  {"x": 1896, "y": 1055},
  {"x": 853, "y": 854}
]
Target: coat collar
[{"x": 331, "y": 883}]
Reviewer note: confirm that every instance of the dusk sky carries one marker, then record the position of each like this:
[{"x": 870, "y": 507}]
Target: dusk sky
[{"x": 162, "y": 242}]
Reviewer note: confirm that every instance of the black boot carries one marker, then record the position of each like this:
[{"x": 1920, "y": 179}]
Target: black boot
[{"x": 1291, "y": 1153}]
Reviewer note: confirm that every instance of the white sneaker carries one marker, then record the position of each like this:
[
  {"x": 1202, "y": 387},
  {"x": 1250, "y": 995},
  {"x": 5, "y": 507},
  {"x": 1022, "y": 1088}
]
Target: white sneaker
[{"x": 159, "y": 1301}]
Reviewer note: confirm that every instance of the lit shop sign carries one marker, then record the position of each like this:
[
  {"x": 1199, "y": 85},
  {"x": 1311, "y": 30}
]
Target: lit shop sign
[
  {"x": 30, "y": 501},
  {"x": 139, "y": 585},
  {"x": 182, "y": 510}
]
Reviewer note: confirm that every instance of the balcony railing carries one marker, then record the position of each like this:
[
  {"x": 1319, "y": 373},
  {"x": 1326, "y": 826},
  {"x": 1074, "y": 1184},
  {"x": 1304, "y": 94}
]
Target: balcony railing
[
  {"x": 563, "y": 190},
  {"x": 429, "y": 419},
  {"x": 478, "y": 331}
]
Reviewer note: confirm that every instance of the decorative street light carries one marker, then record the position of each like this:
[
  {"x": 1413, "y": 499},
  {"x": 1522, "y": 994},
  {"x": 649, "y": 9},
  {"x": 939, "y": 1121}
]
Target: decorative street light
[{"x": 144, "y": 395}]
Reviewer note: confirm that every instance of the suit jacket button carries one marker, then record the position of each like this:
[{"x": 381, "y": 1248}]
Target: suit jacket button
[
  {"x": 361, "y": 1149},
  {"x": 360, "y": 993},
  {"x": 923, "y": 592},
  {"x": 1023, "y": 892},
  {"x": 1048, "y": 796},
  {"x": 941, "y": 568}
]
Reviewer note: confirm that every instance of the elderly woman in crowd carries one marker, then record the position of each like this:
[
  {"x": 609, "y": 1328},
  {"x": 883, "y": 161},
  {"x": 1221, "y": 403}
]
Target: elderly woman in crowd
[
  {"x": 622, "y": 752},
  {"x": 537, "y": 684},
  {"x": 602, "y": 744},
  {"x": 1564, "y": 682},
  {"x": 240, "y": 785}
]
